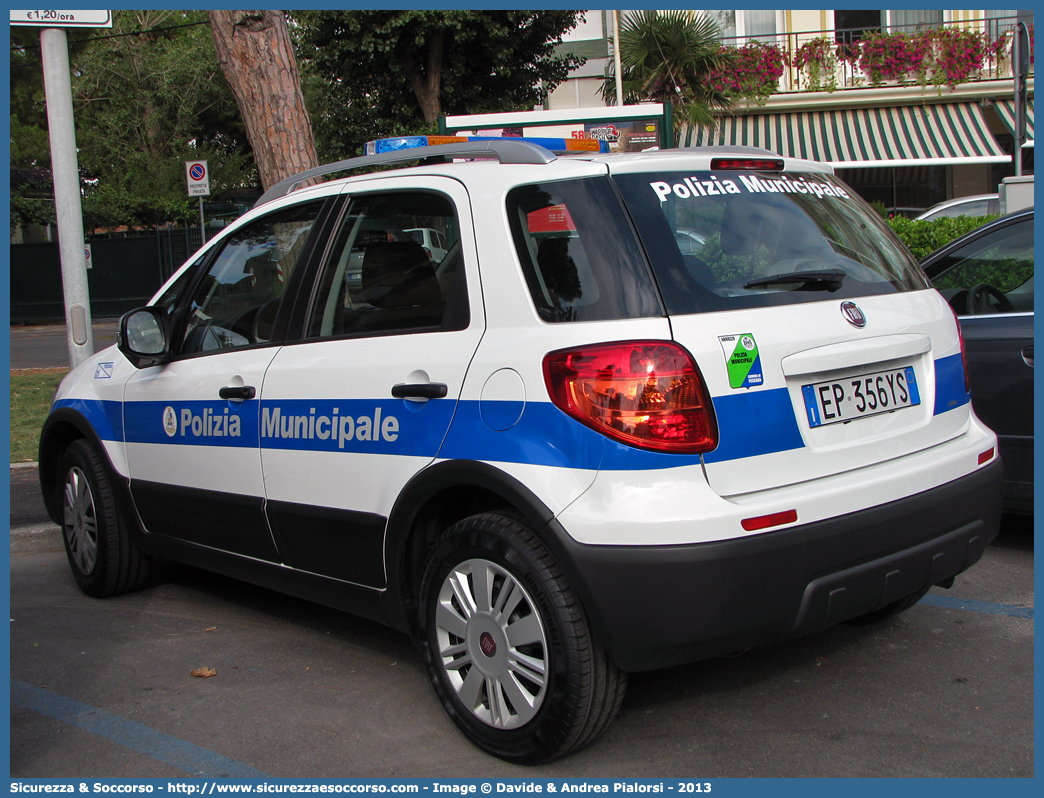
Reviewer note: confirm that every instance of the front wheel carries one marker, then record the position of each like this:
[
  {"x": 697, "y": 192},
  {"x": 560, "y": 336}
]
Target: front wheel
[
  {"x": 507, "y": 646},
  {"x": 103, "y": 558}
]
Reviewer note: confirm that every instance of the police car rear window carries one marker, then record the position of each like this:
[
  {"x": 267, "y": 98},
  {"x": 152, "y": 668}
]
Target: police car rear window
[
  {"x": 579, "y": 253},
  {"x": 728, "y": 240}
]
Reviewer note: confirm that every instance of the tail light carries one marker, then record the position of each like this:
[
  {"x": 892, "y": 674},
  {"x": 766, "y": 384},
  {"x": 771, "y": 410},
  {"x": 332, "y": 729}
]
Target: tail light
[
  {"x": 647, "y": 394},
  {"x": 964, "y": 355}
]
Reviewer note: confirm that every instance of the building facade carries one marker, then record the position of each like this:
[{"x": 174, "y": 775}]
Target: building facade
[{"x": 905, "y": 139}]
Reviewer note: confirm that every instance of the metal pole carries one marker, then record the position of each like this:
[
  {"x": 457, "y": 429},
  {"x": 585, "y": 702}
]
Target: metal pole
[
  {"x": 202, "y": 227},
  {"x": 616, "y": 58},
  {"x": 1018, "y": 69},
  {"x": 54, "y": 50}
]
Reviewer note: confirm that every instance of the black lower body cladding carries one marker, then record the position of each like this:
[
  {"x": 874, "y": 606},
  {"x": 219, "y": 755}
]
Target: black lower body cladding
[{"x": 660, "y": 606}]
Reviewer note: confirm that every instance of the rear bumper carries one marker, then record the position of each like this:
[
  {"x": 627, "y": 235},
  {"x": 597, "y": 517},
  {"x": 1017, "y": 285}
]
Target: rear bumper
[{"x": 659, "y": 606}]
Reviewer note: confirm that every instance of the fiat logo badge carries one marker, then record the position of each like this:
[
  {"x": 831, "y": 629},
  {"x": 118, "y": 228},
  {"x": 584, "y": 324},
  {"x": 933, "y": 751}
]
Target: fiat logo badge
[
  {"x": 489, "y": 648},
  {"x": 853, "y": 315}
]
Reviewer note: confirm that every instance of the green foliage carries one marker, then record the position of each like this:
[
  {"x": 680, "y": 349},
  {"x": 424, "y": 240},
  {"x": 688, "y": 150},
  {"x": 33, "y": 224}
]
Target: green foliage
[
  {"x": 671, "y": 56},
  {"x": 30, "y": 154},
  {"x": 1004, "y": 274},
  {"x": 31, "y": 392},
  {"x": 29, "y": 145},
  {"x": 31, "y": 202},
  {"x": 148, "y": 96},
  {"x": 147, "y": 102},
  {"x": 880, "y": 208},
  {"x": 26, "y": 211},
  {"x": 926, "y": 236},
  {"x": 370, "y": 74}
]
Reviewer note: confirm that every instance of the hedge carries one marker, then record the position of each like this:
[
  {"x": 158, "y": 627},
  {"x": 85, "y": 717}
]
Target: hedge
[{"x": 924, "y": 237}]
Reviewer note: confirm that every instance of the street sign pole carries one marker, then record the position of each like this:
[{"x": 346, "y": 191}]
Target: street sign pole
[
  {"x": 65, "y": 172},
  {"x": 197, "y": 176},
  {"x": 54, "y": 49}
]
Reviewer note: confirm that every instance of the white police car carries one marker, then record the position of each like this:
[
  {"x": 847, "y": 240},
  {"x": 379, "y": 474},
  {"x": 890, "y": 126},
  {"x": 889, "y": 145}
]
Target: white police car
[{"x": 566, "y": 451}]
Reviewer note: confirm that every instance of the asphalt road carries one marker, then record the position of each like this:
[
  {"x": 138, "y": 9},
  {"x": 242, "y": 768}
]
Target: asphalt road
[
  {"x": 46, "y": 346},
  {"x": 944, "y": 690}
]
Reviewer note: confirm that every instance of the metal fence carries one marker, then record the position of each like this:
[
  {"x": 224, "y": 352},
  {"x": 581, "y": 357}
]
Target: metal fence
[
  {"x": 175, "y": 245},
  {"x": 124, "y": 273}
]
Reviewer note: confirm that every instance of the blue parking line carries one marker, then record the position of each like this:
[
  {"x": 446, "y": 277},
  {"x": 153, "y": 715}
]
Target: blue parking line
[
  {"x": 162, "y": 747},
  {"x": 1011, "y": 611}
]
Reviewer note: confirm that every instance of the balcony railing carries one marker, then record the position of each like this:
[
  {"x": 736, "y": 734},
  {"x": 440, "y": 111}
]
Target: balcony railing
[{"x": 828, "y": 60}]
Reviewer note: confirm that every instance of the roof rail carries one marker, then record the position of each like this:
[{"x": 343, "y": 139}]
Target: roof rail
[{"x": 505, "y": 150}]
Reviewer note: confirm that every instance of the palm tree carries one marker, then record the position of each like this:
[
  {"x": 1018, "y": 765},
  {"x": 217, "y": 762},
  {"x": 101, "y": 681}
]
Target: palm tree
[{"x": 668, "y": 56}]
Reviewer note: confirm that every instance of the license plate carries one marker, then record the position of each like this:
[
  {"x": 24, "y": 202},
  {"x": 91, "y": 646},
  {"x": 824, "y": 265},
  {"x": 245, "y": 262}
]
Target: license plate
[{"x": 843, "y": 400}]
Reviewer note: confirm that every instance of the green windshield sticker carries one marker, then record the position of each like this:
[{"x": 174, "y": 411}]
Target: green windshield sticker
[{"x": 742, "y": 360}]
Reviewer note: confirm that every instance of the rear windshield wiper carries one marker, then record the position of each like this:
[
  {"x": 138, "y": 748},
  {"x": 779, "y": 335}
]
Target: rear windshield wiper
[{"x": 811, "y": 280}]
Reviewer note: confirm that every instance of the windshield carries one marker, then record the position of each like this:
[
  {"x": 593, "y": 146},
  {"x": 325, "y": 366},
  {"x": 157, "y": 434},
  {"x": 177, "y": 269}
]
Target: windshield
[{"x": 726, "y": 240}]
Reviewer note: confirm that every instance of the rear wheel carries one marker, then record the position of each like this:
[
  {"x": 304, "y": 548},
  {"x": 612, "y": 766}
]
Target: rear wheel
[
  {"x": 102, "y": 556},
  {"x": 507, "y": 646}
]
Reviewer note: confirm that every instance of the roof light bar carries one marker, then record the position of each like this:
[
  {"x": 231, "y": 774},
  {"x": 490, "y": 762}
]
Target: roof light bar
[
  {"x": 506, "y": 150},
  {"x": 555, "y": 145}
]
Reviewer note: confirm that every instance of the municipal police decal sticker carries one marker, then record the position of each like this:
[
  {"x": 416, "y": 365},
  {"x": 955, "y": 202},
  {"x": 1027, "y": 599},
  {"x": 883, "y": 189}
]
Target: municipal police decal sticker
[
  {"x": 170, "y": 421},
  {"x": 104, "y": 371},
  {"x": 742, "y": 360}
]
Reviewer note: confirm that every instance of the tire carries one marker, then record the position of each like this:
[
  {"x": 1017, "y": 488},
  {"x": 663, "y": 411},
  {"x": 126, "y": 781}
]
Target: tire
[
  {"x": 103, "y": 559},
  {"x": 888, "y": 610},
  {"x": 520, "y": 672}
]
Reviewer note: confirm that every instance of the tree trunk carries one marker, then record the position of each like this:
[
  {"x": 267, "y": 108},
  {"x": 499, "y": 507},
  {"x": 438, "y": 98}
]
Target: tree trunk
[
  {"x": 257, "y": 58},
  {"x": 428, "y": 87}
]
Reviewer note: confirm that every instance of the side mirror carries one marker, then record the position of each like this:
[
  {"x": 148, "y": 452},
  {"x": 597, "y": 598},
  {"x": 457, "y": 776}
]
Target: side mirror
[{"x": 143, "y": 337}]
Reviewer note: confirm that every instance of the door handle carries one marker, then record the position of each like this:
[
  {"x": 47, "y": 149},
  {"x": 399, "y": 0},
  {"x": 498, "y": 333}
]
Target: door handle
[
  {"x": 424, "y": 390},
  {"x": 1027, "y": 355},
  {"x": 237, "y": 392}
]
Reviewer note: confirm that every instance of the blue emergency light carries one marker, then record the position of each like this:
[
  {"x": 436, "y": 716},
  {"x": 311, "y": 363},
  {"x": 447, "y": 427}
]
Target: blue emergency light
[{"x": 553, "y": 144}]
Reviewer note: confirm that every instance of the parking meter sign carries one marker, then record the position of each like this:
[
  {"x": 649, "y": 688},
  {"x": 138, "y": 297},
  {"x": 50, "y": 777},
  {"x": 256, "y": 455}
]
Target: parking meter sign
[{"x": 198, "y": 178}]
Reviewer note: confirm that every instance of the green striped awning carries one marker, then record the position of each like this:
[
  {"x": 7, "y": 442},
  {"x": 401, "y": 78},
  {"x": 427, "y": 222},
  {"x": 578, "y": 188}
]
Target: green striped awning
[
  {"x": 923, "y": 135},
  {"x": 1006, "y": 111}
]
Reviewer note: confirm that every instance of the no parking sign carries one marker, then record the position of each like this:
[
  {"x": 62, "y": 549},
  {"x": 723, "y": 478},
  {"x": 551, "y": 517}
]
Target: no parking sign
[{"x": 198, "y": 177}]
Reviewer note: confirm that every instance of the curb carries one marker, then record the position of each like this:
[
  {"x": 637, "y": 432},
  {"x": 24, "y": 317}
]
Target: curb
[
  {"x": 36, "y": 539},
  {"x": 30, "y": 531},
  {"x": 16, "y": 466}
]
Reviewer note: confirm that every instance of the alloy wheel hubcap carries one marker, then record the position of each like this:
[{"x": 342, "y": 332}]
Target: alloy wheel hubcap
[
  {"x": 492, "y": 644},
  {"x": 80, "y": 521}
]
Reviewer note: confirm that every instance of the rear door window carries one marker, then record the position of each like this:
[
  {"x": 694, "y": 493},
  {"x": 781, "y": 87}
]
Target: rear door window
[
  {"x": 721, "y": 240},
  {"x": 579, "y": 253},
  {"x": 381, "y": 277}
]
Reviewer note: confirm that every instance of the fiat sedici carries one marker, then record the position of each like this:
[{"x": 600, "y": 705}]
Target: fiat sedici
[{"x": 561, "y": 448}]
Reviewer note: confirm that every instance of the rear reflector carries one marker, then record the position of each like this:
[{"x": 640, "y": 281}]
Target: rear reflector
[
  {"x": 765, "y": 521},
  {"x": 986, "y": 456},
  {"x": 647, "y": 394},
  {"x": 752, "y": 164}
]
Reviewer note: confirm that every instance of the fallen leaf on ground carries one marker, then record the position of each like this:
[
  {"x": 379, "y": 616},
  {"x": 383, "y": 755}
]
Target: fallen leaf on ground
[{"x": 204, "y": 673}]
